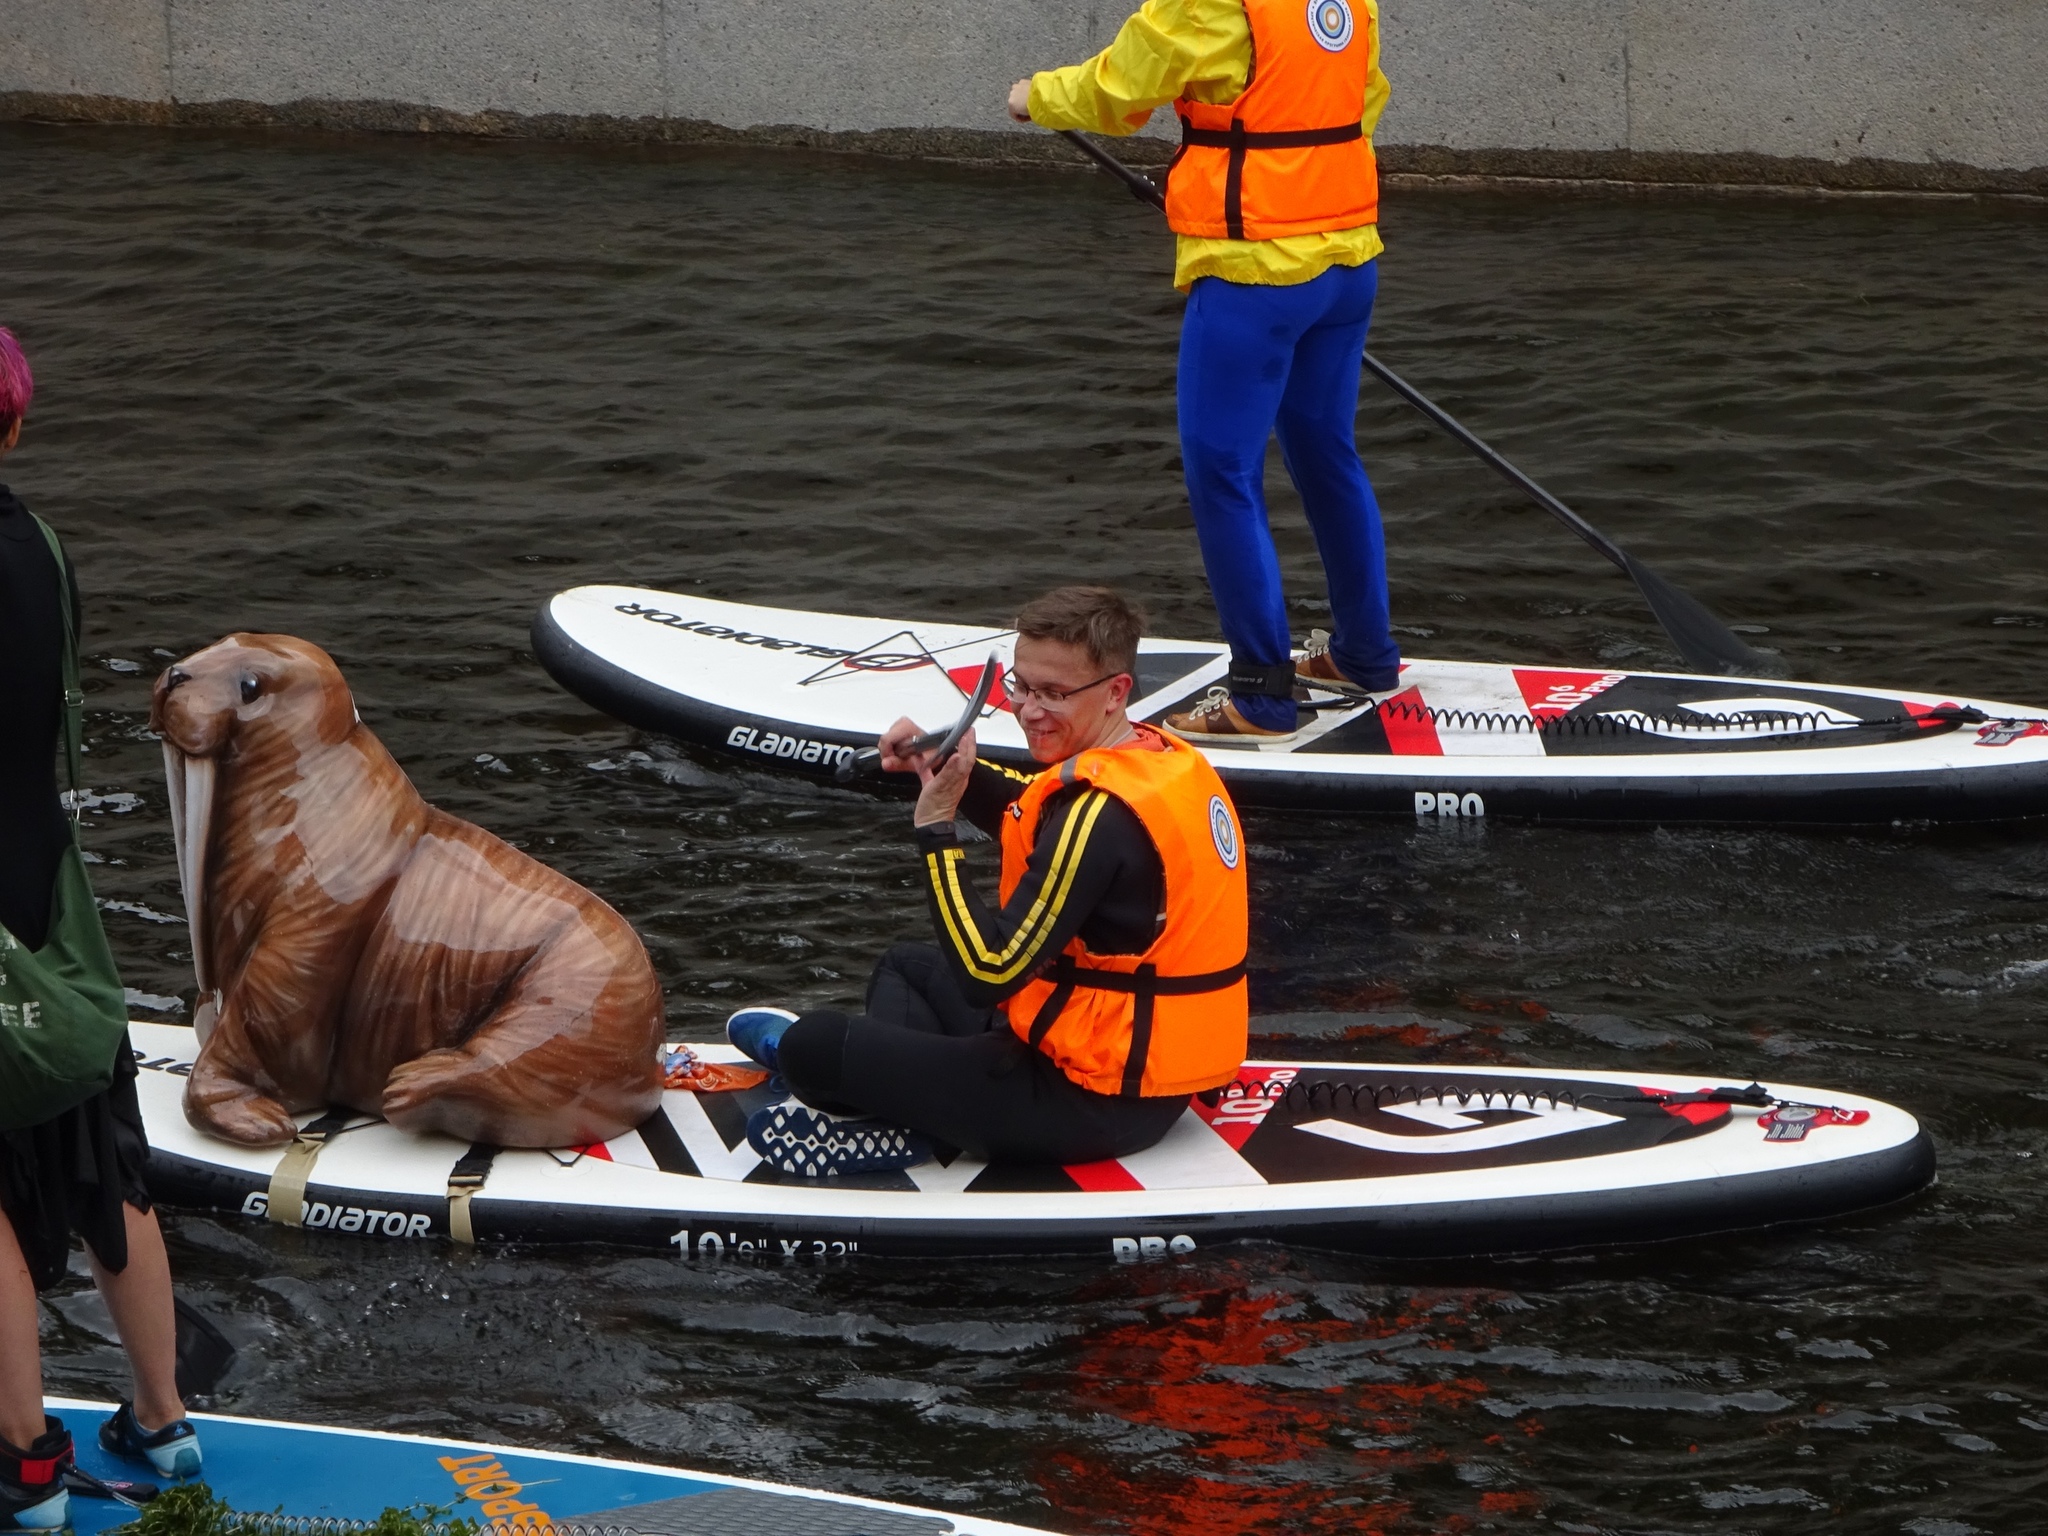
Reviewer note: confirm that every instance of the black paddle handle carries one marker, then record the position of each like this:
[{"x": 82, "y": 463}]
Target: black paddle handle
[{"x": 869, "y": 759}]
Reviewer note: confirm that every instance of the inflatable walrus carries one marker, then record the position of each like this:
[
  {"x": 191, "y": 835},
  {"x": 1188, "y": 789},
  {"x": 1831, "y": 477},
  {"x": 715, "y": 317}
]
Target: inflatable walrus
[{"x": 357, "y": 948}]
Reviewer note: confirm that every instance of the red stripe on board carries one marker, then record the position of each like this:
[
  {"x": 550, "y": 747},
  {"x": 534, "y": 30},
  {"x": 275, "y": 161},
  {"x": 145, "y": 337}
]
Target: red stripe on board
[
  {"x": 1697, "y": 1114},
  {"x": 596, "y": 1149},
  {"x": 1694, "y": 1114},
  {"x": 1237, "y": 1112},
  {"x": 1236, "y": 1131},
  {"x": 967, "y": 679},
  {"x": 1103, "y": 1177},
  {"x": 1550, "y": 693},
  {"x": 1922, "y": 711},
  {"x": 1410, "y": 731}
]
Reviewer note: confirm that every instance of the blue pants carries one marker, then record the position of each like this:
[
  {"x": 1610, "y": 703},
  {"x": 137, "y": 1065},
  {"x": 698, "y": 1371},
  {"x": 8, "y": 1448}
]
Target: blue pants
[{"x": 1255, "y": 360}]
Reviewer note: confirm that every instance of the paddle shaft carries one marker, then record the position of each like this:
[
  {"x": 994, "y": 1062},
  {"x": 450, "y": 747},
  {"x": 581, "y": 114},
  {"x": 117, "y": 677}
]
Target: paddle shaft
[
  {"x": 1701, "y": 638},
  {"x": 1143, "y": 187},
  {"x": 1495, "y": 462}
]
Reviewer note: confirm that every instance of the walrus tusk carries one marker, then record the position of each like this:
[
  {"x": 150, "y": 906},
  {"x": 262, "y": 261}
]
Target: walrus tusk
[{"x": 191, "y": 782}]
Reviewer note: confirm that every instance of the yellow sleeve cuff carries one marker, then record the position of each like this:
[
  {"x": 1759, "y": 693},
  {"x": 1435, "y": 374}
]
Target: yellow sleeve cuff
[{"x": 1072, "y": 98}]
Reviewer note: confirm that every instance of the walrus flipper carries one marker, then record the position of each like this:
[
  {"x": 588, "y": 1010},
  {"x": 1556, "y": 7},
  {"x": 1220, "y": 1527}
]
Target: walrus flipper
[{"x": 222, "y": 1097}]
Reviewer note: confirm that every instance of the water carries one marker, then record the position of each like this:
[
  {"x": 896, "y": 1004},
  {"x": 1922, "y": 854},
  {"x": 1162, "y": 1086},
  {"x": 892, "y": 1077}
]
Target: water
[{"x": 391, "y": 395}]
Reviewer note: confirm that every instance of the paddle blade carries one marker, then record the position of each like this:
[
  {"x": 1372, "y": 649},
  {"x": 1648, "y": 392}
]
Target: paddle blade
[
  {"x": 204, "y": 1353},
  {"x": 1704, "y": 641}
]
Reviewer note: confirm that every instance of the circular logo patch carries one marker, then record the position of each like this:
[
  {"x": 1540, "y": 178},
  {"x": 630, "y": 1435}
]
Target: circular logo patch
[
  {"x": 1329, "y": 23},
  {"x": 1223, "y": 831}
]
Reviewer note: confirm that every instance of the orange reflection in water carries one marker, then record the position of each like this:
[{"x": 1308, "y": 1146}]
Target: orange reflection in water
[{"x": 1209, "y": 1366}]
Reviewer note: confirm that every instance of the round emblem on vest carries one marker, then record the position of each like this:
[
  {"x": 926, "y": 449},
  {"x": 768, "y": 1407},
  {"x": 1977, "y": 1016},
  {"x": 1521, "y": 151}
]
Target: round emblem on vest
[
  {"x": 1223, "y": 831},
  {"x": 1329, "y": 23}
]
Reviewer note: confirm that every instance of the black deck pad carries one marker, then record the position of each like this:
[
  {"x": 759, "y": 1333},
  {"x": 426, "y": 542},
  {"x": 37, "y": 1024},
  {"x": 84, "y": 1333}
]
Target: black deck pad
[{"x": 1374, "y": 1101}]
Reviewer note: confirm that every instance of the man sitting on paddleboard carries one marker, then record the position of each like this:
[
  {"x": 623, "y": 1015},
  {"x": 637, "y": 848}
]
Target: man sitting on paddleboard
[
  {"x": 1071, "y": 1021},
  {"x": 1275, "y": 199}
]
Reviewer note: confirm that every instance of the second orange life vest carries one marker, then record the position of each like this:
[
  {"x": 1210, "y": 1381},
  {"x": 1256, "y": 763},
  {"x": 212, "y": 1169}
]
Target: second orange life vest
[
  {"x": 1289, "y": 156},
  {"x": 1172, "y": 1020}
]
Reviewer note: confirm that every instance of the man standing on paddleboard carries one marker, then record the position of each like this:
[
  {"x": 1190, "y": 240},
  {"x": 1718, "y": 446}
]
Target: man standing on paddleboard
[
  {"x": 1274, "y": 198},
  {"x": 1071, "y": 1020}
]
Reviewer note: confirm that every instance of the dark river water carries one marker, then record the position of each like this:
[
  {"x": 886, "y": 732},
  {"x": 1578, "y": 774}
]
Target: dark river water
[{"x": 390, "y": 395}]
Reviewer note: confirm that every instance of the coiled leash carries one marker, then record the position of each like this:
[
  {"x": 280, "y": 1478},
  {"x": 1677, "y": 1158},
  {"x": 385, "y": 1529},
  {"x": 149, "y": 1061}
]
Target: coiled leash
[
  {"x": 1783, "y": 1119},
  {"x": 1765, "y": 722}
]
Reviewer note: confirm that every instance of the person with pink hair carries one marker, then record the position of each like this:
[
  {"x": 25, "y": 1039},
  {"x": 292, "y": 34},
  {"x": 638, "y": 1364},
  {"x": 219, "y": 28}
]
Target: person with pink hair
[{"x": 79, "y": 1170}]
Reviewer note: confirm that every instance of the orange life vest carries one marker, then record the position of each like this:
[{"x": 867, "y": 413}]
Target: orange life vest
[
  {"x": 1170, "y": 1020},
  {"x": 1289, "y": 156}
]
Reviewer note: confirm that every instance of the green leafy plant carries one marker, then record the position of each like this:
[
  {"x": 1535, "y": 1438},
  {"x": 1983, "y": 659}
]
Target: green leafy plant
[
  {"x": 193, "y": 1509},
  {"x": 189, "y": 1509}
]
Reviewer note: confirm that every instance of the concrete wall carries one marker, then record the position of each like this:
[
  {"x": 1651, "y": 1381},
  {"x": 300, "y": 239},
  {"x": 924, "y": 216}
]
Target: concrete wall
[
  {"x": 1921, "y": 93},
  {"x": 1928, "y": 82}
]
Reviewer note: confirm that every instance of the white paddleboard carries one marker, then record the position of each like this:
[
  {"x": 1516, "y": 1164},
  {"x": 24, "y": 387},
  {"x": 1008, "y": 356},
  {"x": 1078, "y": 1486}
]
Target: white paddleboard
[
  {"x": 802, "y": 691},
  {"x": 1382, "y": 1160}
]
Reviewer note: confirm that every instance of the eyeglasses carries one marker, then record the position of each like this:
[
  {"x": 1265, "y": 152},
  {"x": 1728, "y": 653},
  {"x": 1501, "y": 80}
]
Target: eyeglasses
[{"x": 1049, "y": 698}]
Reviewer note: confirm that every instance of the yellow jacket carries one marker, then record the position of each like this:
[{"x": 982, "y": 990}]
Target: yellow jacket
[{"x": 1201, "y": 49}]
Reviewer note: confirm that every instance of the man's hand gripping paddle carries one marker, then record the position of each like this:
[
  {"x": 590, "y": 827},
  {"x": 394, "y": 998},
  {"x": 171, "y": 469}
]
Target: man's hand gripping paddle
[
  {"x": 869, "y": 761},
  {"x": 1704, "y": 641}
]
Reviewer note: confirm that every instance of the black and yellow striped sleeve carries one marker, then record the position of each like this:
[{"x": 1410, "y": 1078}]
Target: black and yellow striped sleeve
[
  {"x": 1082, "y": 847},
  {"x": 991, "y": 789}
]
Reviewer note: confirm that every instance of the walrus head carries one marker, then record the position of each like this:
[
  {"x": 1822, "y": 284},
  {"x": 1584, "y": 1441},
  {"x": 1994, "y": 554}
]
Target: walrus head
[{"x": 243, "y": 697}]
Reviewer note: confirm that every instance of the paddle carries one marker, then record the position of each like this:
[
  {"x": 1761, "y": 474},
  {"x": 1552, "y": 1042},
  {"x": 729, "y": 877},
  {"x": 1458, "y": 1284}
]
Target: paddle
[
  {"x": 1703, "y": 640},
  {"x": 134, "y": 1495},
  {"x": 204, "y": 1353},
  {"x": 869, "y": 760}
]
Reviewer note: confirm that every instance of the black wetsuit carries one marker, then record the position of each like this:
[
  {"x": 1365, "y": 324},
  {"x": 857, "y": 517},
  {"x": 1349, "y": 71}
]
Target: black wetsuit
[
  {"x": 932, "y": 1052},
  {"x": 73, "y": 1172}
]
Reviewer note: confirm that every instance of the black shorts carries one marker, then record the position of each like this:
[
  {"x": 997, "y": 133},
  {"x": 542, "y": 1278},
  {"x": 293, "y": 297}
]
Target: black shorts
[
  {"x": 75, "y": 1173},
  {"x": 921, "y": 1057}
]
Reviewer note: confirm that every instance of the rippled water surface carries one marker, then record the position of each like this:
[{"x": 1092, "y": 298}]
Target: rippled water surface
[{"x": 390, "y": 395}]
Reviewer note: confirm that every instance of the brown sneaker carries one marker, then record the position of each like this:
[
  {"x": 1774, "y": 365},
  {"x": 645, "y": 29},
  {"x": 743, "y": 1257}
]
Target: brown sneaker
[
  {"x": 1318, "y": 668},
  {"x": 1217, "y": 719}
]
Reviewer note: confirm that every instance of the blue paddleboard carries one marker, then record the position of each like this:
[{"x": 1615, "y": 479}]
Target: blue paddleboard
[{"x": 263, "y": 1466}]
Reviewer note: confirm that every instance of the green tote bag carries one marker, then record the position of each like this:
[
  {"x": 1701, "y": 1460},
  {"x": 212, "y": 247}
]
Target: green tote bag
[{"x": 63, "y": 1015}]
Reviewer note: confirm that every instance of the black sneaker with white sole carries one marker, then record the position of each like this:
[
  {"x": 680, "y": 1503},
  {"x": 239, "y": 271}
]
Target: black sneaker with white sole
[
  {"x": 172, "y": 1451},
  {"x": 794, "y": 1138}
]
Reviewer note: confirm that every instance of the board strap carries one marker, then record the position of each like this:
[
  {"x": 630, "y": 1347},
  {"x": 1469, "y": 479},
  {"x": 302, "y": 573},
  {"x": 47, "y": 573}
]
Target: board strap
[
  {"x": 465, "y": 1179},
  {"x": 287, "y": 1202}
]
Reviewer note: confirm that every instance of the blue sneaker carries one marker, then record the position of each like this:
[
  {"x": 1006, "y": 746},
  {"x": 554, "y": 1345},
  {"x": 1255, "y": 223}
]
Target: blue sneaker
[
  {"x": 32, "y": 1492},
  {"x": 757, "y": 1032},
  {"x": 794, "y": 1138},
  {"x": 173, "y": 1450}
]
